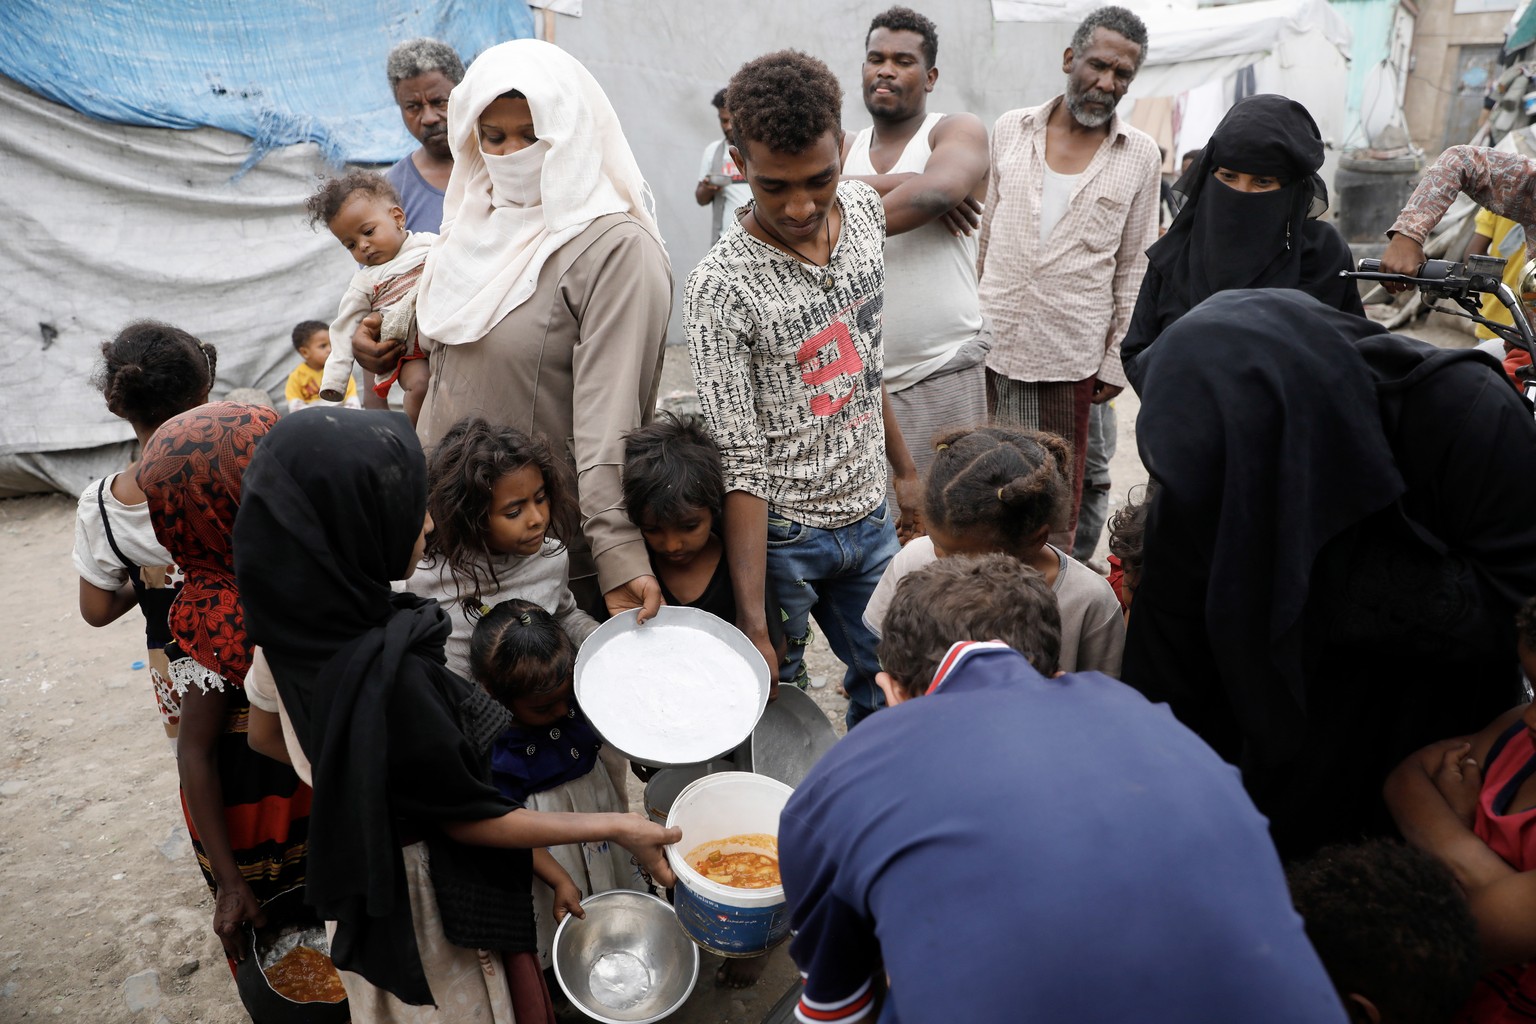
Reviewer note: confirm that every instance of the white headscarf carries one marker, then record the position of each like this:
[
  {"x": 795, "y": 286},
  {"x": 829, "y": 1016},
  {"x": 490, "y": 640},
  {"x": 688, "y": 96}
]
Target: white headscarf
[{"x": 503, "y": 216}]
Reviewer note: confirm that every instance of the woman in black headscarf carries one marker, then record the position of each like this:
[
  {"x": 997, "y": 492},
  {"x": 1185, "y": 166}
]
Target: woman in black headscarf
[
  {"x": 334, "y": 509},
  {"x": 1247, "y": 222},
  {"x": 1344, "y": 526}
]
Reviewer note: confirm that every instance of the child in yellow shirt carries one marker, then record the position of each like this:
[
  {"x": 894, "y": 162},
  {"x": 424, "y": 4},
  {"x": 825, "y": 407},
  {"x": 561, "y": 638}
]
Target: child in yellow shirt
[{"x": 312, "y": 340}]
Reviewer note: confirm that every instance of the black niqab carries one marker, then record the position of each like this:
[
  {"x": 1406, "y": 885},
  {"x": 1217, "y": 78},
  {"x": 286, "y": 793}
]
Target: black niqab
[
  {"x": 333, "y": 504},
  {"x": 1223, "y": 238}
]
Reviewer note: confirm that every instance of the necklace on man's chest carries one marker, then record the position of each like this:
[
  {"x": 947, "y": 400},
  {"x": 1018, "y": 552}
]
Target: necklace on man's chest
[{"x": 828, "y": 280}]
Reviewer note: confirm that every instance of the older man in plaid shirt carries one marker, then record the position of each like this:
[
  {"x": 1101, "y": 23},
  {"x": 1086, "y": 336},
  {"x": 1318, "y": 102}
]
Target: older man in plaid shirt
[{"x": 1071, "y": 208}]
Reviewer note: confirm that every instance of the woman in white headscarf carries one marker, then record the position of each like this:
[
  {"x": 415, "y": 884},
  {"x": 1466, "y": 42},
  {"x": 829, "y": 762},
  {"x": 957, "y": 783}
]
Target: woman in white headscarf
[{"x": 544, "y": 303}]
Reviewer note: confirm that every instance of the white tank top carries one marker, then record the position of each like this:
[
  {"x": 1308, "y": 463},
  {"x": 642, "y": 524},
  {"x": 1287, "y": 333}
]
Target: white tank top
[{"x": 931, "y": 308}]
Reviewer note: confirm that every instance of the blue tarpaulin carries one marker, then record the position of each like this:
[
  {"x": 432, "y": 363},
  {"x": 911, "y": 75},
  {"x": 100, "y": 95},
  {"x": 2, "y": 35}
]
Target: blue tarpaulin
[{"x": 279, "y": 72}]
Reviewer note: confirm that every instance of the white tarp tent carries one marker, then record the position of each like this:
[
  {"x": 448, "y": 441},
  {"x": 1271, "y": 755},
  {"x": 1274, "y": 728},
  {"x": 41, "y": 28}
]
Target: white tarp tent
[
  {"x": 111, "y": 224},
  {"x": 1299, "y": 48},
  {"x": 115, "y": 223}
]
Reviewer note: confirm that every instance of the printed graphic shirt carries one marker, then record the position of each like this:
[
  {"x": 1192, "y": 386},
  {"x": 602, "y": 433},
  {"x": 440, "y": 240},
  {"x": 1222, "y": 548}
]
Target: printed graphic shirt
[{"x": 788, "y": 363}]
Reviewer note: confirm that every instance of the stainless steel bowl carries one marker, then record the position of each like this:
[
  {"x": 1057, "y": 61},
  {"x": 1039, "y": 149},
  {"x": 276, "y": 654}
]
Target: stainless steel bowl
[
  {"x": 790, "y": 737},
  {"x": 687, "y": 618},
  {"x": 628, "y": 961}
]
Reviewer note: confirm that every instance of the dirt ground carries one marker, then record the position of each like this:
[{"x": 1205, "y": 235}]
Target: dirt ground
[{"x": 103, "y": 914}]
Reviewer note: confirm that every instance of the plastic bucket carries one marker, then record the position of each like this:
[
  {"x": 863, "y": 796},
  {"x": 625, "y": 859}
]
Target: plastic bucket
[
  {"x": 661, "y": 792},
  {"x": 721, "y": 919}
]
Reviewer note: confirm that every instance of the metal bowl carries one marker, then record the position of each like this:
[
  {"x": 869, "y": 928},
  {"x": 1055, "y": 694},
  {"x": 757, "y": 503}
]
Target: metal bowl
[
  {"x": 790, "y": 737},
  {"x": 657, "y": 755},
  {"x": 628, "y": 961}
]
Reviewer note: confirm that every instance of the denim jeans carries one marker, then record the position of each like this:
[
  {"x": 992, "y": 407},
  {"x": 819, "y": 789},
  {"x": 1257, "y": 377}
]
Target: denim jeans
[{"x": 831, "y": 574}]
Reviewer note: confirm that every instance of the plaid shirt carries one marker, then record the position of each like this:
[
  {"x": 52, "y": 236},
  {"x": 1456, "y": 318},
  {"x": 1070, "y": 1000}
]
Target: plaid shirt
[
  {"x": 1059, "y": 308},
  {"x": 1504, "y": 183}
]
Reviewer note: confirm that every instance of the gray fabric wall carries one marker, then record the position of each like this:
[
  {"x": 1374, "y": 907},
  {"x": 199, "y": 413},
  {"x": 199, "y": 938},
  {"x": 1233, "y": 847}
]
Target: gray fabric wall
[{"x": 661, "y": 62}]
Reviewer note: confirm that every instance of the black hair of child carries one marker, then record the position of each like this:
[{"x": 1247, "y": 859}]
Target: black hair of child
[
  {"x": 905, "y": 19},
  {"x": 1390, "y": 924},
  {"x": 968, "y": 597},
  {"x": 462, "y": 470},
  {"x": 671, "y": 468},
  {"x": 152, "y": 371},
  {"x": 306, "y": 330},
  {"x": 328, "y": 199},
  {"x": 785, "y": 100},
  {"x": 518, "y": 650},
  {"x": 999, "y": 485},
  {"x": 1525, "y": 623},
  {"x": 1128, "y": 532}
]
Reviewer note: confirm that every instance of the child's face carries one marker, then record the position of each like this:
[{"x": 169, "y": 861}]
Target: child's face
[
  {"x": 316, "y": 349},
  {"x": 519, "y": 513},
  {"x": 679, "y": 543},
  {"x": 544, "y": 709},
  {"x": 370, "y": 228}
]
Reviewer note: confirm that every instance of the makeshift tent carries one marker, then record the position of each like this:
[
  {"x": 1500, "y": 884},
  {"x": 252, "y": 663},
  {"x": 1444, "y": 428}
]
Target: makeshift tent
[
  {"x": 217, "y": 271},
  {"x": 201, "y": 227}
]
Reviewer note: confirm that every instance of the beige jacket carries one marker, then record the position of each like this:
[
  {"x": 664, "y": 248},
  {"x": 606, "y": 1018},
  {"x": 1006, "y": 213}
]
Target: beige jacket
[{"x": 579, "y": 362}]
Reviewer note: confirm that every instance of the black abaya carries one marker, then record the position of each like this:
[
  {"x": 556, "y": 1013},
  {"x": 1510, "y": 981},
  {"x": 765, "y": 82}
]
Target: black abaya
[{"x": 1344, "y": 525}]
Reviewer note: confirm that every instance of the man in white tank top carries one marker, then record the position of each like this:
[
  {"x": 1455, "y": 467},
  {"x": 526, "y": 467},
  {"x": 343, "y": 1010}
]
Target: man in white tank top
[{"x": 931, "y": 173}]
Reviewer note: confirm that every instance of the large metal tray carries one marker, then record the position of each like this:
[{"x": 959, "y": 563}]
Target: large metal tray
[
  {"x": 688, "y": 618},
  {"x": 791, "y": 736}
]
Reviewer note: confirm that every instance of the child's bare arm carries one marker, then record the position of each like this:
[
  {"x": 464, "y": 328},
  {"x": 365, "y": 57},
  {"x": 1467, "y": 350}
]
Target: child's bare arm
[
  {"x": 264, "y": 734},
  {"x": 549, "y": 871},
  {"x": 100, "y": 607},
  {"x": 1505, "y": 911},
  {"x": 1416, "y": 794}
]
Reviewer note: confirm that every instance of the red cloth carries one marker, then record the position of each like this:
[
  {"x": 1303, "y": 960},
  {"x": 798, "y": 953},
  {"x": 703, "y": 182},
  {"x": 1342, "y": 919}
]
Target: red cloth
[
  {"x": 190, "y": 474},
  {"x": 382, "y": 385},
  {"x": 1506, "y": 995},
  {"x": 530, "y": 993},
  {"x": 1514, "y": 361},
  {"x": 1116, "y": 577}
]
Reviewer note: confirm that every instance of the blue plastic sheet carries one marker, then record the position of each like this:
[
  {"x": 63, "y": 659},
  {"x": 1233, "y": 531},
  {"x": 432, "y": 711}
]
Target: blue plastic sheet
[{"x": 279, "y": 71}]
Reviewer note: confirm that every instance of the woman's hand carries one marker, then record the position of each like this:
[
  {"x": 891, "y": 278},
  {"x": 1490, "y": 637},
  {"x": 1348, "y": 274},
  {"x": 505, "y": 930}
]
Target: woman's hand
[
  {"x": 1459, "y": 779},
  {"x": 648, "y": 842},
  {"x": 1402, "y": 256},
  {"x": 642, "y": 592},
  {"x": 568, "y": 900},
  {"x": 371, "y": 354},
  {"x": 233, "y": 905}
]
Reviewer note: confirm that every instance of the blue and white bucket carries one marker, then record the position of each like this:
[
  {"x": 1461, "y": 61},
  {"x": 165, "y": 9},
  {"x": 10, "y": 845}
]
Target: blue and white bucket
[{"x": 719, "y": 918}]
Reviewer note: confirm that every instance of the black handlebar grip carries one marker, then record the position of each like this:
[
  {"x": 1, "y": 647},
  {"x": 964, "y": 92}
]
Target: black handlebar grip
[{"x": 1370, "y": 266}]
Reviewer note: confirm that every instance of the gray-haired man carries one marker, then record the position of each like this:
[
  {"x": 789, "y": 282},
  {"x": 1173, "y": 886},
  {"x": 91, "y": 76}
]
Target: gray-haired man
[{"x": 422, "y": 72}]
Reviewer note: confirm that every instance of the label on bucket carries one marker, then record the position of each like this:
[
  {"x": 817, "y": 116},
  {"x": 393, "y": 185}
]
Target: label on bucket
[{"x": 734, "y": 931}]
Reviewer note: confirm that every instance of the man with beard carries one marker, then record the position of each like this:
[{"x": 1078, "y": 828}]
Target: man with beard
[
  {"x": 1071, "y": 208},
  {"x": 422, "y": 72},
  {"x": 931, "y": 172}
]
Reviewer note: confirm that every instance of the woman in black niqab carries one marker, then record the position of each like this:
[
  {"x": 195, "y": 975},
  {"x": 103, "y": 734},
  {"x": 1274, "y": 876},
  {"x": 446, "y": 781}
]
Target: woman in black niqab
[
  {"x": 333, "y": 510},
  {"x": 1344, "y": 525},
  {"x": 1225, "y": 237}
]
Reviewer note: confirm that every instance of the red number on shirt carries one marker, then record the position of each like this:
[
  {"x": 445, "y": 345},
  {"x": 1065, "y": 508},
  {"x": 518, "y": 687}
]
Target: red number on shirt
[{"x": 847, "y": 361}]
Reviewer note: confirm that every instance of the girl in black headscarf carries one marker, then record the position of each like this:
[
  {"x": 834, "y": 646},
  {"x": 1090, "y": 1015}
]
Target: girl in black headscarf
[
  {"x": 334, "y": 509},
  {"x": 1344, "y": 525},
  {"x": 1247, "y": 222}
]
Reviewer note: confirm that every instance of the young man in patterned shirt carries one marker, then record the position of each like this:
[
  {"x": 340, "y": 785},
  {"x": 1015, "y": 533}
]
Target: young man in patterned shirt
[{"x": 783, "y": 325}]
